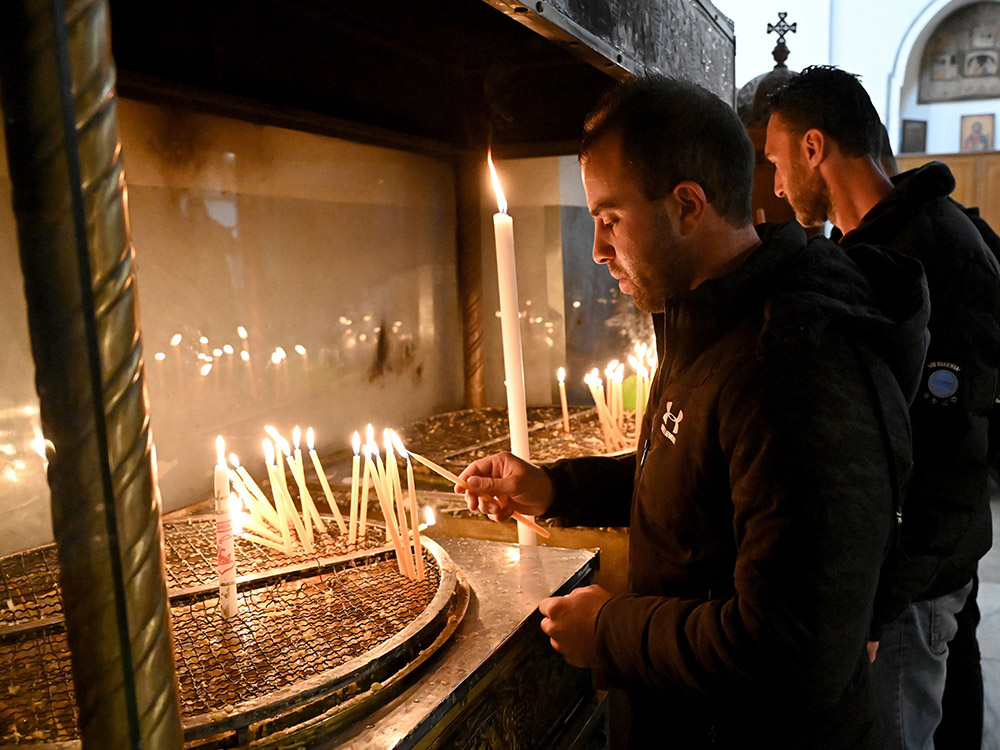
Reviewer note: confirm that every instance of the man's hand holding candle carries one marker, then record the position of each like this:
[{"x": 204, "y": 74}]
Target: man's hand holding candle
[{"x": 501, "y": 484}]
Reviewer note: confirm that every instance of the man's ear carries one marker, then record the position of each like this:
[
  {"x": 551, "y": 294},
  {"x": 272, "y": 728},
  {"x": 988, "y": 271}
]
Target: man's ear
[
  {"x": 690, "y": 204},
  {"x": 814, "y": 147}
]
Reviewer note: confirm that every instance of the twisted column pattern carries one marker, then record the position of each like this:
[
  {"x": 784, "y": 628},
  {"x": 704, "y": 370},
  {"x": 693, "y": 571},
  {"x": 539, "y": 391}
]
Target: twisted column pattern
[
  {"x": 57, "y": 88},
  {"x": 470, "y": 274}
]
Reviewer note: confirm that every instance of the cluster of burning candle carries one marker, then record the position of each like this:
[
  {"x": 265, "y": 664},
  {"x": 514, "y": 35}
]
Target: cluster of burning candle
[
  {"x": 610, "y": 401},
  {"x": 249, "y": 514}
]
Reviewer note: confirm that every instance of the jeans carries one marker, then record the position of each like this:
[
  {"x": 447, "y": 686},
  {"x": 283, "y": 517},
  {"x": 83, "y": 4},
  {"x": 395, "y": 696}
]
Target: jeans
[{"x": 909, "y": 669}]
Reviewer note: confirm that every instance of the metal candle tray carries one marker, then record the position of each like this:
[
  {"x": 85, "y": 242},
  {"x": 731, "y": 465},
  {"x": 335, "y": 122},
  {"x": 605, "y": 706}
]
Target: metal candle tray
[{"x": 318, "y": 641}]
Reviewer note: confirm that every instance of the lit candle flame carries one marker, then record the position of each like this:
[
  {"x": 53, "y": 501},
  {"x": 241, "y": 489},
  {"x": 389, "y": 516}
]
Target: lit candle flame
[
  {"x": 280, "y": 351},
  {"x": 561, "y": 374},
  {"x": 501, "y": 198},
  {"x": 241, "y": 332},
  {"x": 311, "y": 439},
  {"x": 228, "y": 349},
  {"x": 245, "y": 356},
  {"x": 268, "y": 451},
  {"x": 203, "y": 339},
  {"x": 159, "y": 356},
  {"x": 429, "y": 518},
  {"x": 275, "y": 435},
  {"x": 275, "y": 358},
  {"x": 370, "y": 434},
  {"x": 300, "y": 349},
  {"x": 296, "y": 436},
  {"x": 387, "y": 441},
  {"x": 217, "y": 352},
  {"x": 205, "y": 369},
  {"x": 398, "y": 445},
  {"x": 356, "y": 443},
  {"x": 234, "y": 460},
  {"x": 175, "y": 339},
  {"x": 220, "y": 451},
  {"x": 284, "y": 446}
]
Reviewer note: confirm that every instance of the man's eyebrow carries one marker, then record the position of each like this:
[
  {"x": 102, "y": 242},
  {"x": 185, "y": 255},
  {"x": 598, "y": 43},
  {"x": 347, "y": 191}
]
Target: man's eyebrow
[{"x": 601, "y": 207}]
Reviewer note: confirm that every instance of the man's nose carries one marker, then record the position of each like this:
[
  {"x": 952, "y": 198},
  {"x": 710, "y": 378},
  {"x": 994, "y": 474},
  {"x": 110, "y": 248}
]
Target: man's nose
[
  {"x": 604, "y": 251},
  {"x": 779, "y": 185}
]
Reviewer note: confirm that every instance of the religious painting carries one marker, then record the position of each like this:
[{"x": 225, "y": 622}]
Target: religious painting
[
  {"x": 914, "y": 139},
  {"x": 977, "y": 133},
  {"x": 961, "y": 60}
]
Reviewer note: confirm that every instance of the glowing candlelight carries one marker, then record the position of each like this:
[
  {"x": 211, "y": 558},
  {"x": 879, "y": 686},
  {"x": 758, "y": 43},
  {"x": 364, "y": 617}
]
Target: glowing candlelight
[
  {"x": 561, "y": 377},
  {"x": 263, "y": 504},
  {"x": 429, "y": 518},
  {"x": 517, "y": 414},
  {"x": 352, "y": 526},
  {"x": 411, "y": 492},
  {"x": 324, "y": 483},
  {"x": 225, "y": 548}
]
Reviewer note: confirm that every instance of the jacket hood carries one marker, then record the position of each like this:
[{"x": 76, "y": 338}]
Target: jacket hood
[
  {"x": 810, "y": 286},
  {"x": 914, "y": 188}
]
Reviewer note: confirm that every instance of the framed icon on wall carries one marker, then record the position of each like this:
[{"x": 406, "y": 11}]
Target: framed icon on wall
[
  {"x": 977, "y": 133},
  {"x": 914, "y": 139}
]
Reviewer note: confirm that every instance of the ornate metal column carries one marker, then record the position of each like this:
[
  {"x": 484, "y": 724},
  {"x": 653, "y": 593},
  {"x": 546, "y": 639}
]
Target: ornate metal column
[
  {"x": 469, "y": 181},
  {"x": 57, "y": 83}
]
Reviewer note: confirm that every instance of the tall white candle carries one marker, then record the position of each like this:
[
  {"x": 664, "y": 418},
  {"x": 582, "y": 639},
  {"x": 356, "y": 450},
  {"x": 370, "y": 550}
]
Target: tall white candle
[
  {"x": 510, "y": 324},
  {"x": 369, "y": 468},
  {"x": 352, "y": 524},
  {"x": 324, "y": 483},
  {"x": 278, "y": 495},
  {"x": 561, "y": 377},
  {"x": 392, "y": 477},
  {"x": 411, "y": 493},
  {"x": 224, "y": 534}
]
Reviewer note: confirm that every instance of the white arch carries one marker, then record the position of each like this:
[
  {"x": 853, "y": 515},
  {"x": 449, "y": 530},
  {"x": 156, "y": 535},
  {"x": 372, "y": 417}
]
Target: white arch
[{"x": 914, "y": 40}]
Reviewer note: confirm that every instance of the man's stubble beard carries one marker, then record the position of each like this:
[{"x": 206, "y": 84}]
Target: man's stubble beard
[{"x": 808, "y": 196}]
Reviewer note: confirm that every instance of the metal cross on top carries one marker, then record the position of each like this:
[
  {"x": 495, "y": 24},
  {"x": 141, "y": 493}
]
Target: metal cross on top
[{"x": 782, "y": 27}]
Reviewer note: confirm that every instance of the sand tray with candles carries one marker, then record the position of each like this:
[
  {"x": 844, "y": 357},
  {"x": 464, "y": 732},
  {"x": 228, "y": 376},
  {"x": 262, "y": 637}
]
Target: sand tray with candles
[
  {"x": 318, "y": 641},
  {"x": 454, "y": 439}
]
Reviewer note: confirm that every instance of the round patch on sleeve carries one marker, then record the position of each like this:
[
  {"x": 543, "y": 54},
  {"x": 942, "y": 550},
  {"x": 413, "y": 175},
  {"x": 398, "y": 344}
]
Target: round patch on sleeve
[{"x": 942, "y": 383}]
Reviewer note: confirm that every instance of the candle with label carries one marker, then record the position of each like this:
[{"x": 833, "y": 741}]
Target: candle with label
[{"x": 225, "y": 547}]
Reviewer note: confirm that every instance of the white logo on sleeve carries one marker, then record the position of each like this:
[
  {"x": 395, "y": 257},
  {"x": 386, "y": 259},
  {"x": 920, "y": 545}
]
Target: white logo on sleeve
[{"x": 671, "y": 423}]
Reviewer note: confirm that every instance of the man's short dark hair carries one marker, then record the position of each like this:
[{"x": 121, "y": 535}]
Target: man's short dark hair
[
  {"x": 673, "y": 131},
  {"x": 834, "y": 102}
]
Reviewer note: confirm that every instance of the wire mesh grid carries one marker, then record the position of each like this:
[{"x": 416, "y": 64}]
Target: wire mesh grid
[
  {"x": 319, "y": 612},
  {"x": 190, "y": 551}
]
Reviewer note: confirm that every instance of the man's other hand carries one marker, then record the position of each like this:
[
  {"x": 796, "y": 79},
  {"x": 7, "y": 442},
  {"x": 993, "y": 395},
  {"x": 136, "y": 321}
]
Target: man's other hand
[{"x": 570, "y": 623}]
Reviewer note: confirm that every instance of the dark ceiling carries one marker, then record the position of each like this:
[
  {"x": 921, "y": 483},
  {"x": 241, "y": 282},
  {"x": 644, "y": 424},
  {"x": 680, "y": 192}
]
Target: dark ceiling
[{"x": 451, "y": 74}]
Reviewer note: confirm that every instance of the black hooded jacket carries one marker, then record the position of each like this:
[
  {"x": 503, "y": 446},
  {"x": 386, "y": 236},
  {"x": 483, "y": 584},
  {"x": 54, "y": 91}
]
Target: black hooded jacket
[
  {"x": 761, "y": 509},
  {"x": 946, "y": 515}
]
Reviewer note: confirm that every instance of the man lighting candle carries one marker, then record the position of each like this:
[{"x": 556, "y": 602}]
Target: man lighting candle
[{"x": 758, "y": 521}]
